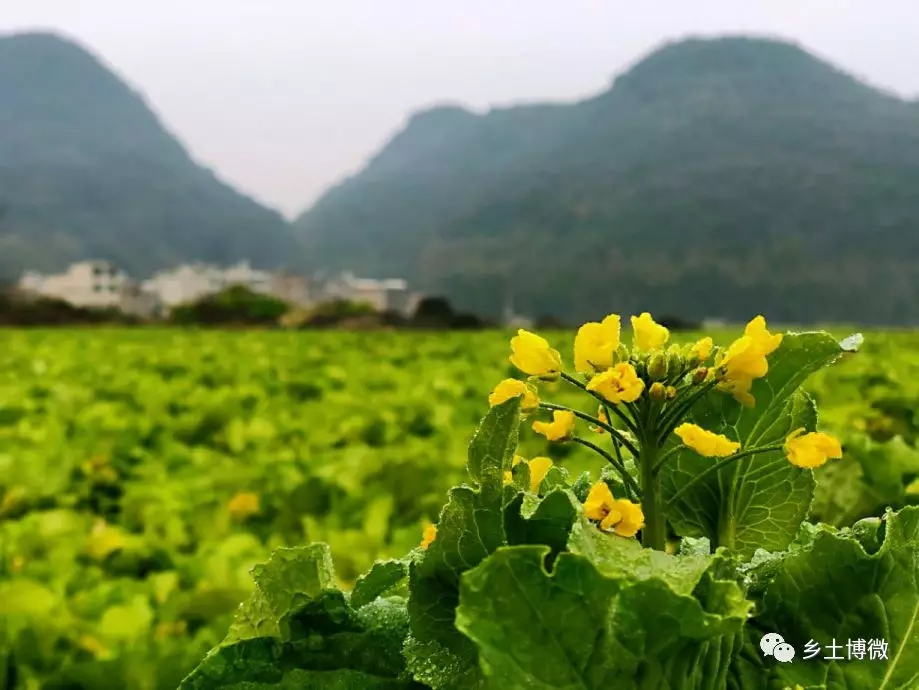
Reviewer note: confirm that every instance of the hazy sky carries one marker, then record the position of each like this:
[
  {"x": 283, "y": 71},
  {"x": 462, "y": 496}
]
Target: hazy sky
[{"x": 284, "y": 97}]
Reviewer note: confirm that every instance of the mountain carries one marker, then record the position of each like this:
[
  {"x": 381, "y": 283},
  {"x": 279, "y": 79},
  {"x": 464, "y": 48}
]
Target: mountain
[
  {"x": 715, "y": 178},
  {"x": 87, "y": 171}
]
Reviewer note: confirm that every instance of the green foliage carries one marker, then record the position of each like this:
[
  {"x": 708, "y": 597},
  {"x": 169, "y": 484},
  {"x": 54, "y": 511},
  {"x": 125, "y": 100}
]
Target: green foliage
[
  {"x": 694, "y": 187},
  {"x": 757, "y": 502},
  {"x": 520, "y": 590},
  {"x": 89, "y": 172},
  {"x": 234, "y": 305},
  {"x": 121, "y": 563}
]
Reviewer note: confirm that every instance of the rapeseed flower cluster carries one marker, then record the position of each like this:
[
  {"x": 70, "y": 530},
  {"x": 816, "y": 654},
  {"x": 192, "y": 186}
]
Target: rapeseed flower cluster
[{"x": 648, "y": 389}]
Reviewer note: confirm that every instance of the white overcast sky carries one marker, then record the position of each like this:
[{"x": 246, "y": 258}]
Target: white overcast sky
[{"x": 284, "y": 97}]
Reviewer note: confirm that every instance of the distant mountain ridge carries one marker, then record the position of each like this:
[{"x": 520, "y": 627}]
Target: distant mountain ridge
[
  {"x": 716, "y": 177},
  {"x": 88, "y": 171}
]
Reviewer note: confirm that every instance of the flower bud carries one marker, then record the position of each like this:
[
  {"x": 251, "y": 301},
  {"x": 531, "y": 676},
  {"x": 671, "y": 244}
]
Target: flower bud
[
  {"x": 657, "y": 367},
  {"x": 671, "y": 392},
  {"x": 657, "y": 392},
  {"x": 622, "y": 354},
  {"x": 699, "y": 376},
  {"x": 675, "y": 359}
]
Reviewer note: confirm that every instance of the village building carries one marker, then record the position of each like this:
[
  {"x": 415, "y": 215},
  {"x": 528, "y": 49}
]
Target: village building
[{"x": 101, "y": 284}]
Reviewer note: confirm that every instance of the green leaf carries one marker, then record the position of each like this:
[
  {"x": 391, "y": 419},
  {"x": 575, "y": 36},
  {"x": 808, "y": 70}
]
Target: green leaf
[
  {"x": 290, "y": 576},
  {"x": 383, "y": 576},
  {"x": 330, "y": 646},
  {"x": 759, "y": 501},
  {"x": 575, "y": 628},
  {"x": 550, "y": 523},
  {"x": 470, "y": 527},
  {"x": 491, "y": 450},
  {"x": 127, "y": 622},
  {"x": 834, "y": 589},
  {"x": 871, "y": 477},
  {"x": 439, "y": 669},
  {"x": 622, "y": 558}
]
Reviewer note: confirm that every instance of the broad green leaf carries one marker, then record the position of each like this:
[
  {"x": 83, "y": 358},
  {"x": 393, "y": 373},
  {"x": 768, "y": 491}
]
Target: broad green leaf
[
  {"x": 835, "y": 590},
  {"x": 759, "y": 501},
  {"x": 330, "y": 646},
  {"x": 622, "y": 558},
  {"x": 289, "y": 576},
  {"x": 383, "y": 576},
  {"x": 437, "y": 668},
  {"x": 575, "y": 628},
  {"x": 549, "y": 523},
  {"x": 871, "y": 477},
  {"x": 491, "y": 450},
  {"x": 128, "y": 621},
  {"x": 469, "y": 528}
]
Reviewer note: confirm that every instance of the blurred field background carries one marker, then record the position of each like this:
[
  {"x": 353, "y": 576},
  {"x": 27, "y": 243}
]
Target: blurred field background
[{"x": 143, "y": 472}]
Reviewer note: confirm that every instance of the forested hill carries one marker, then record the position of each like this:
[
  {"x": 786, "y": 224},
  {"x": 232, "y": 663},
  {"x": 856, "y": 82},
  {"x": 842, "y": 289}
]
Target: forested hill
[
  {"x": 87, "y": 171},
  {"x": 716, "y": 178}
]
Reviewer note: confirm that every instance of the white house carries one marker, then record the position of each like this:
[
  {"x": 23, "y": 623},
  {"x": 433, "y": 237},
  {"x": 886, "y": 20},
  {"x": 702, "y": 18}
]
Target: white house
[
  {"x": 93, "y": 285},
  {"x": 191, "y": 282},
  {"x": 90, "y": 284},
  {"x": 382, "y": 295}
]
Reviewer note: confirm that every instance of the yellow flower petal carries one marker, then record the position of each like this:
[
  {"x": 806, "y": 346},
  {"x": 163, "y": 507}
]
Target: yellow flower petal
[
  {"x": 539, "y": 468},
  {"x": 559, "y": 428},
  {"x": 633, "y": 519},
  {"x": 430, "y": 534},
  {"x": 647, "y": 334},
  {"x": 618, "y": 384},
  {"x": 532, "y": 355},
  {"x": 766, "y": 342},
  {"x": 619, "y": 515},
  {"x": 512, "y": 388},
  {"x": 705, "y": 442},
  {"x": 595, "y": 344},
  {"x": 702, "y": 350},
  {"x": 598, "y": 501},
  {"x": 243, "y": 505},
  {"x": 811, "y": 450}
]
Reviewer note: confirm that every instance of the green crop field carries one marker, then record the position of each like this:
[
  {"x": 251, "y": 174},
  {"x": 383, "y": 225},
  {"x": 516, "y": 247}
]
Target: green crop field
[{"x": 143, "y": 473}]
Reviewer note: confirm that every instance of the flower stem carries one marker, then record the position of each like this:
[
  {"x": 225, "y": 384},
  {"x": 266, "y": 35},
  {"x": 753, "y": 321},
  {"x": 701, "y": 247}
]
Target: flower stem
[
  {"x": 630, "y": 486},
  {"x": 715, "y": 467},
  {"x": 679, "y": 409},
  {"x": 665, "y": 457},
  {"x": 593, "y": 420},
  {"x": 629, "y": 424},
  {"x": 654, "y": 533}
]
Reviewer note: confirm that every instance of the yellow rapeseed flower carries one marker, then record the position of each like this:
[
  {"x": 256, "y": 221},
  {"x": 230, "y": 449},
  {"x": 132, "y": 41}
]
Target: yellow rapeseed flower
[
  {"x": 745, "y": 360},
  {"x": 811, "y": 450},
  {"x": 702, "y": 349},
  {"x": 539, "y": 468},
  {"x": 647, "y": 334},
  {"x": 532, "y": 355},
  {"x": 766, "y": 342},
  {"x": 596, "y": 344},
  {"x": 511, "y": 388},
  {"x": 619, "y": 515},
  {"x": 559, "y": 428},
  {"x": 618, "y": 384},
  {"x": 244, "y": 504},
  {"x": 705, "y": 442},
  {"x": 430, "y": 534}
]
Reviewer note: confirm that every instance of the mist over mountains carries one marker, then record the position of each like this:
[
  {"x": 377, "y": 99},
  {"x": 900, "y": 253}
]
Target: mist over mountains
[{"x": 714, "y": 178}]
